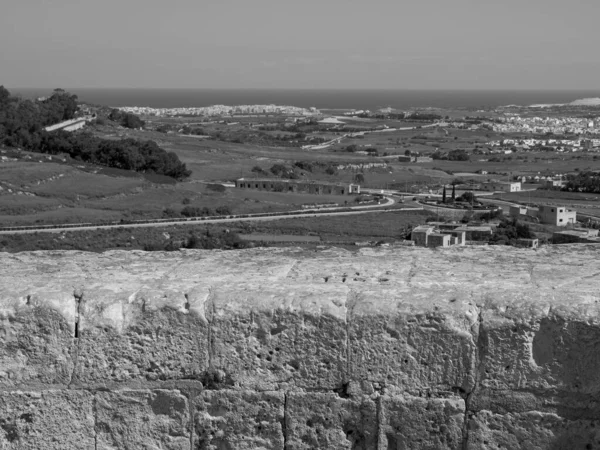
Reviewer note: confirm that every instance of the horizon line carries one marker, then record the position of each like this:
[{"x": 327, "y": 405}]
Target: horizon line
[{"x": 315, "y": 89}]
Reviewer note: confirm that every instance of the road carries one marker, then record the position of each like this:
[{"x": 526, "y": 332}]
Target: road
[
  {"x": 362, "y": 133},
  {"x": 507, "y": 203},
  {"x": 366, "y": 209}
]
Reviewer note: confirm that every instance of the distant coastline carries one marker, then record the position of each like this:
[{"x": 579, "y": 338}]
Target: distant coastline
[{"x": 318, "y": 98}]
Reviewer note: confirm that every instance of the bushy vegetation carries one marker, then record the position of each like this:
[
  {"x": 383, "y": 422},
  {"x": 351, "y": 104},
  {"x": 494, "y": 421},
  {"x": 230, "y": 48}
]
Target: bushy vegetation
[
  {"x": 150, "y": 239},
  {"x": 22, "y": 124},
  {"x": 509, "y": 230},
  {"x": 127, "y": 154},
  {"x": 583, "y": 182},
  {"x": 22, "y": 121},
  {"x": 125, "y": 119},
  {"x": 453, "y": 155}
]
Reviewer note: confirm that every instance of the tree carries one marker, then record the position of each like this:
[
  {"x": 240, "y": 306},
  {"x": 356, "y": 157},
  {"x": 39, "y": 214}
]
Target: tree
[
  {"x": 278, "y": 169},
  {"x": 407, "y": 152},
  {"x": 468, "y": 197},
  {"x": 444, "y": 195},
  {"x": 458, "y": 155},
  {"x": 359, "y": 178},
  {"x": 453, "y": 192}
]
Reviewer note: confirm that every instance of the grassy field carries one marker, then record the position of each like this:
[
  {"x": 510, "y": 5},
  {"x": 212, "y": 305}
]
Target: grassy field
[
  {"x": 389, "y": 225},
  {"x": 85, "y": 184},
  {"x": 345, "y": 229},
  {"x": 18, "y": 173},
  {"x": 69, "y": 192}
]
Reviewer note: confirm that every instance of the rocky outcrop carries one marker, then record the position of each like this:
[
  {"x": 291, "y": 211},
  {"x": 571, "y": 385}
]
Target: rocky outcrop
[{"x": 411, "y": 348}]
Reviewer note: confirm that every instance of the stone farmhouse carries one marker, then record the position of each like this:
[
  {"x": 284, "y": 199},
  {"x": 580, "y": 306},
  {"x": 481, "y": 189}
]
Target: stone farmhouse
[{"x": 301, "y": 186}]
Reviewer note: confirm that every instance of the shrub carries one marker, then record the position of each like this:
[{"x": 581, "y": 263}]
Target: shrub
[
  {"x": 191, "y": 211},
  {"x": 223, "y": 211},
  {"x": 216, "y": 187},
  {"x": 170, "y": 213}
]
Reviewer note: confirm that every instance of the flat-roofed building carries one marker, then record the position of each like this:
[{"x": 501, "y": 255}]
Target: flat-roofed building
[
  {"x": 556, "y": 215},
  {"x": 431, "y": 236},
  {"x": 528, "y": 243},
  {"x": 438, "y": 240},
  {"x": 516, "y": 211},
  {"x": 420, "y": 234},
  {"x": 479, "y": 233},
  {"x": 458, "y": 237},
  {"x": 575, "y": 236},
  {"x": 304, "y": 186},
  {"x": 501, "y": 186}
]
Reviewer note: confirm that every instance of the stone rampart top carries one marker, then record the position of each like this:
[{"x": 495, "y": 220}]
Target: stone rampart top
[
  {"x": 465, "y": 347},
  {"x": 515, "y": 282}
]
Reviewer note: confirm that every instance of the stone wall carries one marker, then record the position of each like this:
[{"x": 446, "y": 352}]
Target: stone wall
[{"x": 411, "y": 348}]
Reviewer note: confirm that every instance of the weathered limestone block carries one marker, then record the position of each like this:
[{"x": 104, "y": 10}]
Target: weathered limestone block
[
  {"x": 266, "y": 336},
  {"x": 241, "y": 420},
  {"x": 146, "y": 335},
  {"x": 543, "y": 333},
  {"x": 36, "y": 335},
  {"x": 417, "y": 341},
  {"x": 327, "y": 421},
  {"x": 531, "y": 431},
  {"x": 46, "y": 420},
  {"x": 133, "y": 419},
  {"x": 422, "y": 423}
]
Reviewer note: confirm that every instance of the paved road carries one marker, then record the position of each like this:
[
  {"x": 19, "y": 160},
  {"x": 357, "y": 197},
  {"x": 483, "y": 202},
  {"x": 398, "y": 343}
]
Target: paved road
[
  {"x": 507, "y": 203},
  {"x": 324, "y": 145},
  {"x": 366, "y": 209}
]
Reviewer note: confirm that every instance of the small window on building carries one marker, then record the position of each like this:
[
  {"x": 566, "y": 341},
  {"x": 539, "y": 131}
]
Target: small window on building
[
  {"x": 290, "y": 188},
  {"x": 560, "y": 210},
  {"x": 342, "y": 192},
  {"x": 264, "y": 185},
  {"x": 552, "y": 210},
  {"x": 560, "y": 220}
]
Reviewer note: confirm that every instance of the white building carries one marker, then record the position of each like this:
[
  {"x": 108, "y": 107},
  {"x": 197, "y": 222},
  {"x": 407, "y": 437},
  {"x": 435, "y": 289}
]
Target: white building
[{"x": 503, "y": 186}]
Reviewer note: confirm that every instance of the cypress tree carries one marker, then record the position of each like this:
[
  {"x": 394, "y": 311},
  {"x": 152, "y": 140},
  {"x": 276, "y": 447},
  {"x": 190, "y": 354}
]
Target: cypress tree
[
  {"x": 444, "y": 195},
  {"x": 453, "y": 192}
]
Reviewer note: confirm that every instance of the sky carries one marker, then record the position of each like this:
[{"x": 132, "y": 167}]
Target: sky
[{"x": 284, "y": 44}]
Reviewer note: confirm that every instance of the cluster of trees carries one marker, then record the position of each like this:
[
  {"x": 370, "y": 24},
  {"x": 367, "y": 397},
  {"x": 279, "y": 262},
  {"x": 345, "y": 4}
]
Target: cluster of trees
[
  {"x": 453, "y": 155},
  {"x": 125, "y": 119},
  {"x": 22, "y": 122},
  {"x": 509, "y": 230},
  {"x": 196, "y": 211},
  {"x": 261, "y": 138},
  {"x": 292, "y": 173},
  {"x": 583, "y": 182},
  {"x": 422, "y": 116},
  {"x": 186, "y": 129},
  {"x": 22, "y": 125},
  {"x": 126, "y": 154},
  {"x": 208, "y": 240}
]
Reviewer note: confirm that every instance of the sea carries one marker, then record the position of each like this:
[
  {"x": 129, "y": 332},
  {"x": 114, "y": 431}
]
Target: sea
[{"x": 342, "y": 99}]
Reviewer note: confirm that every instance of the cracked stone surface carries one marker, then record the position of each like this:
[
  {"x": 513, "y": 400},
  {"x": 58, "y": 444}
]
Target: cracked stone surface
[
  {"x": 47, "y": 419},
  {"x": 131, "y": 419},
  {"x": 239, "y": 419},
  {"x": 460, "y": 348}
]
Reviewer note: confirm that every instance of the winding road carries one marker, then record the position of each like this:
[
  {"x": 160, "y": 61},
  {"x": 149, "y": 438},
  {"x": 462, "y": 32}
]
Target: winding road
[{"x": 317, "y": 212}]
